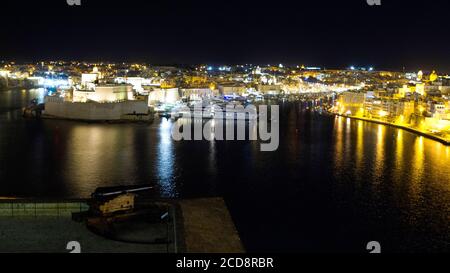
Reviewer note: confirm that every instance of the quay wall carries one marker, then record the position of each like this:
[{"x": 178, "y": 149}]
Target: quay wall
[{"x": 412, "y": 130}]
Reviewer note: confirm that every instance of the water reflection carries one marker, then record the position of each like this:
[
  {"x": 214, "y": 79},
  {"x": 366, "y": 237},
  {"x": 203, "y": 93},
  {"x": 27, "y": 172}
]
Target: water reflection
[
  {"x": 417, "y": 169},
  {"x": 96, "y": 153},
  {"x": 348, "y": 139},
  {"x": 359, "y": 145},
  {"x": 380, "y": 153},
  {"x": 399, "y": 161},
  {"x": 12, "y": 100},
  {"x": 418, "y": 158},
  {"x": 165, "y": 159},
  {"x": 325, "y": 168},
  {"x": 339, "y": 146}
]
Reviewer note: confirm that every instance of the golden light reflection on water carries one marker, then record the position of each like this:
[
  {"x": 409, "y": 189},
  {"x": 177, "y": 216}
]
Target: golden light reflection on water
[
  {"x": 380, "y": 151},
  {"x": 417, "y": 169},
  {"x": 360, "y": 145},
  {"x": 338, "y": 155},
  {"x": 348, "y": 145},
  {"x": 399, "y": 143},
  {"x": 91, "y": 157},
  {"x": 410, "y": 160}
]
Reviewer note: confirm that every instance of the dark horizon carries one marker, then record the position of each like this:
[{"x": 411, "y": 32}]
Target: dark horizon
[{"x": 405, "y": 35}]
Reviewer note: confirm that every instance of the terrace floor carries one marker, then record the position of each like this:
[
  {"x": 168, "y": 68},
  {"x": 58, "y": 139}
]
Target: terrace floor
[{"x": 198, "y": 225}]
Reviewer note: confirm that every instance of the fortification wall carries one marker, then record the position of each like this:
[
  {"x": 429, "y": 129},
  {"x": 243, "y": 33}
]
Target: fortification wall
[{"x": 57, "y": 107}]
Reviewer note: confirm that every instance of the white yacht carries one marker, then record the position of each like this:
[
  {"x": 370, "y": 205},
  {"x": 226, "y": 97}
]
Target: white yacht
[{"x": 216, "y": 108}]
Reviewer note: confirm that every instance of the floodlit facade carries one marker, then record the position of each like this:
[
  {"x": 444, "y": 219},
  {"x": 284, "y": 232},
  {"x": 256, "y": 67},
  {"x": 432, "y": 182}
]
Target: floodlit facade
[
  {"x": 104, "y": 93},
  {"x": 87, "y": 78},
  {"x": 272, "y": 89},
  {"x": 163, "y": 95},
  {"x": 197, "y": 93},
  {"x": 136, "y": 82},
  {"x": 231, "y": 89},
  {"x": 123, "y": 110}
]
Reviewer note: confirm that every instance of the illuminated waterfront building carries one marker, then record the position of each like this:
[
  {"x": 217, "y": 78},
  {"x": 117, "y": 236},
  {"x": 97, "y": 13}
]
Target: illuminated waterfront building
[
  {"x": 102, "y": 102},
  {"x": 4, "y": 73},
  {"x": 270, "y": 89},
  {"x": 88, "y": 80},
  {"x": 379, "y": 109},
  {"x": 232, "y": 88},
  {"x": 403, "y": 91},
  {"x": 420, "y": 89},
  {"x": 351, "y": 103},
  {"x": 136, "y": 82},
  {"x": 163, "y": 95},
  {"x": 197, "y": 93},
  {"x": 104, "y": 93},
  {"x": 442, "y": 87}
]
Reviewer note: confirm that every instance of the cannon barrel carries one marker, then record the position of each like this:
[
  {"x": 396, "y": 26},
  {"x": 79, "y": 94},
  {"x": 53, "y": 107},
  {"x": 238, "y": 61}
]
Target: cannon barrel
[{"x": 112, "y": 191}]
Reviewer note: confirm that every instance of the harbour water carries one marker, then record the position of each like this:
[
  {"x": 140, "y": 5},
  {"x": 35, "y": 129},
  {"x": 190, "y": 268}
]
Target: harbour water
[{"x": 334, "y": 184}]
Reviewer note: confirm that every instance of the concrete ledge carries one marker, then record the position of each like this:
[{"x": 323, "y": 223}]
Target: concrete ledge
[{"x": 208, "y": 227}]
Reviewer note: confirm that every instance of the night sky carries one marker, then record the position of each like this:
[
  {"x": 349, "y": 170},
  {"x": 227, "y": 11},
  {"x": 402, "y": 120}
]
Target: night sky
[{"x": 333, "y": 34}]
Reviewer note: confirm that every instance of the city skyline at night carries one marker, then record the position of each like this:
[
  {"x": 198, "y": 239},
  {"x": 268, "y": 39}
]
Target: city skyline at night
[
  {"x": 405, "y": 35},
  {"x": 233, "y": 131}
]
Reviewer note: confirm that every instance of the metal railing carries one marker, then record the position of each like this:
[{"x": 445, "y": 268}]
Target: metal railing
[{"x": 35, "y": 208}]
